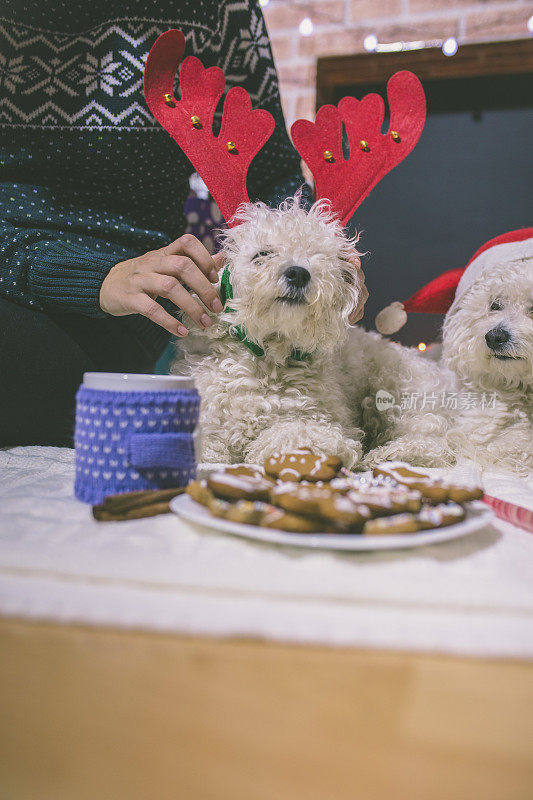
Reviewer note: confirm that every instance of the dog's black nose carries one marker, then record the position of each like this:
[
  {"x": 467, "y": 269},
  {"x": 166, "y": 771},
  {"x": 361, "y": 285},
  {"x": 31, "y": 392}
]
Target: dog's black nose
[
  {"x": 497, "y": 337},
  {"x": 297, "y": 277}
]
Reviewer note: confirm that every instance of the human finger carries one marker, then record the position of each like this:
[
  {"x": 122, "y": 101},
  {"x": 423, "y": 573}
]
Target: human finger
[
  {"x": 148, "y": 307},
  {"x": 220, "y": 260},
  {"x": 188, "y": 245},
  {"x": 186, "y": 271},
  {"x": 157, "y": 285}
]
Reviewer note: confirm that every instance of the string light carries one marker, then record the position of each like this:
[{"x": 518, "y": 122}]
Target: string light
[
  {"x": 371, "y": 42},
  {"x": 530, "y": 24},
  {"x": 372, "y": 45},
  {"x": 450, "y": 46},
  {"x": 306, "y": 26},
  {"x": 422, "y": 346}
]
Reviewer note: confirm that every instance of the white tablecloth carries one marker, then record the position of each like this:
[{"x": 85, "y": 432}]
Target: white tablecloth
[{"x": 468, "y": 596}]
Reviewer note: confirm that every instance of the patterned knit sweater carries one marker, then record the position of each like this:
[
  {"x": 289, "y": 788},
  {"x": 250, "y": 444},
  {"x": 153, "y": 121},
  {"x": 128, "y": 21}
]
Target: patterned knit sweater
[{"x": 87, "y": 176}]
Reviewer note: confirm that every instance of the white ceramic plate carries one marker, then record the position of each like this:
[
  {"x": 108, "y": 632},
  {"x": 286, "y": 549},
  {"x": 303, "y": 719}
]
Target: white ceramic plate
[{"x": 477, "y": 516}]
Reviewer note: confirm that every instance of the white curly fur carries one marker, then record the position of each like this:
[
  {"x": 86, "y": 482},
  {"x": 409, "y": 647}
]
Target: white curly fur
[
  {"x": 417, "y": 433},
  {"x": 503, "y": 435},
  {"x": 253, "y": 406}
]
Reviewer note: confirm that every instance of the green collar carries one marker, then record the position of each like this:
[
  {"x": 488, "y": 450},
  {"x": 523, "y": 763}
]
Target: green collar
[{"x": 226, "y": 293}]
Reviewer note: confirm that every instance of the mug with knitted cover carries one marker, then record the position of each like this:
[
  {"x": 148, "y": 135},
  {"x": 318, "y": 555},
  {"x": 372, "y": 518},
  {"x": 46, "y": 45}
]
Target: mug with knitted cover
[{"x": 134, "y": 432}]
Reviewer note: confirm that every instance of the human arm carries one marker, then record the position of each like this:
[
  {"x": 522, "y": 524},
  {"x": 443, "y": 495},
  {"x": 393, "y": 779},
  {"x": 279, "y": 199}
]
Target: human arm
[{"x": 45, "y": 269}]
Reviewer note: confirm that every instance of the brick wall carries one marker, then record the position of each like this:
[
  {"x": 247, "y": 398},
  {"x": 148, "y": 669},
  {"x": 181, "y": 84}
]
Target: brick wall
[{"x": 340, "y": 27}]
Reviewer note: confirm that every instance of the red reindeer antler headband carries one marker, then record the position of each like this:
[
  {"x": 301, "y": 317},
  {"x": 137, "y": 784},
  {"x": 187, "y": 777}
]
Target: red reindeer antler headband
[
  {"x": 372, "y": 154},
  {"x": 223, "y": 161}
]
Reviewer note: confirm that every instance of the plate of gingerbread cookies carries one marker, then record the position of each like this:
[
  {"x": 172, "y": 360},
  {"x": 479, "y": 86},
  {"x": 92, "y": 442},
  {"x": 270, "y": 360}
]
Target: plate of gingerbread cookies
[{"x": 306, "y": 500}]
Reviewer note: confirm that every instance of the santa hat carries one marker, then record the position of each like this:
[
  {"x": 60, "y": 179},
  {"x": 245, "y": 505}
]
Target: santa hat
[{"x": 437, "y": 296}]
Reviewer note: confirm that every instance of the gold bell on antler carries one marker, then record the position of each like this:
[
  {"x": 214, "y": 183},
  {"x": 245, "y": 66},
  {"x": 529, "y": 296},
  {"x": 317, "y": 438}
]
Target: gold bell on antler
[
  {"x": 395, "y": 136},
  {"x": 232, "y": 147},
  {"x": 169, "y": 100},
  {"x": 328, "y": 156},
  {"x": 195, "y": 121},
  {"x": 363, "y": 144}
]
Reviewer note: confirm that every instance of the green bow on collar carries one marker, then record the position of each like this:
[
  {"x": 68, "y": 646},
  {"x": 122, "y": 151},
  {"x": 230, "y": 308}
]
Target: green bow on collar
[{"x": 226, "y": 293}]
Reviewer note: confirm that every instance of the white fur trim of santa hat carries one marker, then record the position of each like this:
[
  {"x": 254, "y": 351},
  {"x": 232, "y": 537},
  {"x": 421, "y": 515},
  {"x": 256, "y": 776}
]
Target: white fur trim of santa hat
[{"x": 499, "y": 255}]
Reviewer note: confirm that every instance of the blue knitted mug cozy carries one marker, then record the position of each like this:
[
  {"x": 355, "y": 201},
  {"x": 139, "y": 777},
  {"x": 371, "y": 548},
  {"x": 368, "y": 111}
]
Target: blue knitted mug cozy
[{"x": 128, "y": 441}]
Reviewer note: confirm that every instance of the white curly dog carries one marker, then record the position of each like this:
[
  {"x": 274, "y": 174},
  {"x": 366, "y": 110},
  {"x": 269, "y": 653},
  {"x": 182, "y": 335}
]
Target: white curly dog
[
  {"x": 280, "y": 367},
  {"x": 488, "y": 345},
  {"x": 487, "y": 353}
]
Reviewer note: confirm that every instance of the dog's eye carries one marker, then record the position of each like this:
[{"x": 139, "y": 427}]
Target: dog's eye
[
  {"x": 496, "y": 306},
  {"x": 262, "y": 254}
]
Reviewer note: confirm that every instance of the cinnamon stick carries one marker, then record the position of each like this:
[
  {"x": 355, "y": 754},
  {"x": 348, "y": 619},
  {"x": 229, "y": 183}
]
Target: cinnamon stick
[
  {"x": 101, "y": 514},
  {"x": 135, "y": 505}
]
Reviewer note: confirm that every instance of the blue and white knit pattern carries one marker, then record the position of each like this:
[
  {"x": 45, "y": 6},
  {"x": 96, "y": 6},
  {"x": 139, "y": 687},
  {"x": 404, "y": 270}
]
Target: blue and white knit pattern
[{"x": 129, "y": 441}]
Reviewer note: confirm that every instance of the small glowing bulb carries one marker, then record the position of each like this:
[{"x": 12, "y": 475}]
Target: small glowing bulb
[
  {"x": 530, "y": 24},
  {"x": 306, "y": 26},
  {"x": 422, "y": 346},
  {"x": 371, "y": 42},
  {"x": 450, "y": 47},
  {"x": 263, "y": 3}
]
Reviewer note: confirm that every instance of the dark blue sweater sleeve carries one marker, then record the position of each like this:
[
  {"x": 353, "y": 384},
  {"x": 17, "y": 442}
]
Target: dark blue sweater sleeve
[{"x": 42, "y": 269}]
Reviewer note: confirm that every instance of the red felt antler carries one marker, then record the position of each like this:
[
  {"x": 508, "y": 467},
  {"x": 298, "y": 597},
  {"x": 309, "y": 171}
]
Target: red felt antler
[
  {"x": 345, "y": 183},
  {"x": 223, "y": 160}
]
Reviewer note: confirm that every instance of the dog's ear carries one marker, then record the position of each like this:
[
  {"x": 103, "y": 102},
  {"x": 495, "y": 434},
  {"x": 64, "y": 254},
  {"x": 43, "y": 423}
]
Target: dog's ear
[
  {"x": 348, "y": 275},
  {"x": 356, "y": 274},
  {"x": 352, "y": 270}
]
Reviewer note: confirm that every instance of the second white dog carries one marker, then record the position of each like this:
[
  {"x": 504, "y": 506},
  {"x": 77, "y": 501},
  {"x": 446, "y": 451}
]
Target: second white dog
[
  {"x": 488, "y": 344},
  {"x": 487, "y": 351}
]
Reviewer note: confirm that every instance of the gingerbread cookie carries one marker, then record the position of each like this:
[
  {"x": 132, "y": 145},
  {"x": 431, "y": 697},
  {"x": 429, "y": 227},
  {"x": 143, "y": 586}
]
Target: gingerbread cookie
[
  {"x": 300, "y": 498},
  {"x": 246, "y": 470},
  {"x": 340, "y": 485},
  {"x": 320, "y": 501},
  {"x": 440, "y": 516},
  {"x": 239, "y": 487},
  {"x": 383, "y": 501},
  {"x": 464, "y": 494},
  {"x": 269, "y": 516},
  {"x": 200, "y": 492},
  {"x": 343, "y": 513},
  {"x": 432, "y": 489},
  {"x": 302, "y": 465},
  {"x": 291, "y": 522},
  {"x": 253, "y": 512},
  {"x": 247, "y": 512},
  {"x": 347, "y": 481},
  {"x": 399, "y": 523},
  {"x": 219, "y": 508}
]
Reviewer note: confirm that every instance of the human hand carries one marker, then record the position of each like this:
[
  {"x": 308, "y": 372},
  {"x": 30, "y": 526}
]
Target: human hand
[
  {"x": 132, "y": 286},
  {"x": 358, "y": 312}
]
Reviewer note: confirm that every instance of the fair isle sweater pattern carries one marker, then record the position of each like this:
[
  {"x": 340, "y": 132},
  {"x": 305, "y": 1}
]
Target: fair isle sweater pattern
[
  {"x": 94, "y": 79},
  {"x": 87, "y": 176}
]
